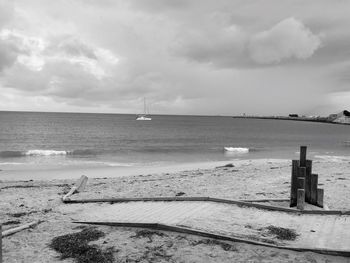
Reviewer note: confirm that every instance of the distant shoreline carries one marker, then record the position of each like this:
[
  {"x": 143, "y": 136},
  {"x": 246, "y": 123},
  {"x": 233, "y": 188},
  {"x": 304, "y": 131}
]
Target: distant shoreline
[{"x": 320, "y": 119}]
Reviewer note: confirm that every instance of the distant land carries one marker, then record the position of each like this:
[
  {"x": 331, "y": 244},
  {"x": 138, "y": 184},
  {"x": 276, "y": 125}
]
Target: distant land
[{"x": 339, "y": 118}]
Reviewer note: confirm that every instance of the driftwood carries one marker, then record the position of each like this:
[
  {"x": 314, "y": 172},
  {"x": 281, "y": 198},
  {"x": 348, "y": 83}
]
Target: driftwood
[
  {"x": 19, "y": 228},
  {"x": 217, "y": 200},
  {"x": 78, "y": 187}
]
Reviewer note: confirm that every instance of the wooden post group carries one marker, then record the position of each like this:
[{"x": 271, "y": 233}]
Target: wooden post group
[{"x": 304, "y": 183}]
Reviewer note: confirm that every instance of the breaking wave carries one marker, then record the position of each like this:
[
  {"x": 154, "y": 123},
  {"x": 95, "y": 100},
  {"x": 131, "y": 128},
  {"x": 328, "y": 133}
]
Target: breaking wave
[
  {"x": 11, "y": 154},
  {"x": 236, "y": 150}
]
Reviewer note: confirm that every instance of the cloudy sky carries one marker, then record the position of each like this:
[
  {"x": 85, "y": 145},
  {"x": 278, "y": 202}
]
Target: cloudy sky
[{"x": 211, "y": 57}]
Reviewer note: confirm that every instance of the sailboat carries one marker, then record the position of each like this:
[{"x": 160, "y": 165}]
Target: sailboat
[{"x": 143, "y": 117}]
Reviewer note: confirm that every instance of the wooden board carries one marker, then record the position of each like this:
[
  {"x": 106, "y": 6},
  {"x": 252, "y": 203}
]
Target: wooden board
[{"x": 327, "y": 232}]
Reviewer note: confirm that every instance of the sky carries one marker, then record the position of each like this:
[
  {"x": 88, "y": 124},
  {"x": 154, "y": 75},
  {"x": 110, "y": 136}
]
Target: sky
[{"x": 203, "y": 57}]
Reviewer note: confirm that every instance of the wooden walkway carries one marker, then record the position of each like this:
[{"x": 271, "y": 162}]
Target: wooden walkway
[{"x": 315, "y": 232}]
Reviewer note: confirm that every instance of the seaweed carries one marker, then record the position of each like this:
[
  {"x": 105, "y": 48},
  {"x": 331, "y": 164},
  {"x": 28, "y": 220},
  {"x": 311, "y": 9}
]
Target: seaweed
[
  {"x": 282, "y": 233},
  {"x": 20, "y": 214},
  {"x": 151, "y": 254},
  {"x": 225, "y": 246},
  {"x": 34, "y": 186},
  {"x": 20, "y": 186},
  {"x": 147, "y": 233},
  {"x": 11, "y": 222},
  {"x": 76, "y": 246}
]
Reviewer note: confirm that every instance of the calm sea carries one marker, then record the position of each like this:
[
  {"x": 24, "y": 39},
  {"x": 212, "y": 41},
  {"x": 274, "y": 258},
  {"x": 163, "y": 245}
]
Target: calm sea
[{"x": 54, "y": 140}]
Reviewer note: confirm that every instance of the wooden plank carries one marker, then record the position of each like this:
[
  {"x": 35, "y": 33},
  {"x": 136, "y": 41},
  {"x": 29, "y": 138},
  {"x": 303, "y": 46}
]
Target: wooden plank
[
  {"x": 81, "y": 184},
  {"x": 301, "y": 199},
  {"x": 14, "y": 230},
  {"x": 136, "y": 199},
  {"x": 164, "y": 227},
  {"x": 201, "y": 199},
  {"x": 293, "y": 185},
  {"x": 265, "y": 200},
  {"x": 303, "y": 156},
  {"x": 308, "y": 180},
  {"x": 256, "y": 205},
  {"x": 320, "y": 194},
  {"x": 325, "y": 212},
  {"x": 78, "y": 187},
  {"x": 314, "y": 183},
  {"x": 329, "y": 230}
]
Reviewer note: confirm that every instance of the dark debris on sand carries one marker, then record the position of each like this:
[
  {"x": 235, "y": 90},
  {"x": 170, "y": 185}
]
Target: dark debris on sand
[
  {"x": 147, "y": 233},
  {"x": 76, "y": 246},
  {"x": 223, "y": 245},
  {"x": 282, "y": 233},
  {"x": 11, "y": 222},
  {"x": 226, "y": 165}
]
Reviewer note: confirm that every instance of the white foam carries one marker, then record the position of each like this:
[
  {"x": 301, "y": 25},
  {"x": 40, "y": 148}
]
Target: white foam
[
  {"x": 236, "y": 149},
  {"x": 45, "y": 152},
  {"x": 97, "y": 163},
  {"x": 112, "y": 164},
  {"x": 9, "y": 163}
]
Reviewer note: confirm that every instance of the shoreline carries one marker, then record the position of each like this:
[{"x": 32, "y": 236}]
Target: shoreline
[
  {"x": 305, "y": 119},
  {"x": 73, "y": 173}
]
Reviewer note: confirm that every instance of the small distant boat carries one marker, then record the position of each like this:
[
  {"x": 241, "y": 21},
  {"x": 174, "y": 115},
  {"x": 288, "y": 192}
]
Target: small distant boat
[{"x": 144, "y": 117}]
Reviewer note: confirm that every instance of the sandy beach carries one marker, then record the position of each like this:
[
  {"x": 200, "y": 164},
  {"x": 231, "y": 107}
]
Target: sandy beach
[{"x": 23, "y": 201}]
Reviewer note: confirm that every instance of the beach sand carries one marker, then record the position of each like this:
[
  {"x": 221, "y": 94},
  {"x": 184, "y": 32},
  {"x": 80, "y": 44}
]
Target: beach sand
[{"x": 26, "y": 201}]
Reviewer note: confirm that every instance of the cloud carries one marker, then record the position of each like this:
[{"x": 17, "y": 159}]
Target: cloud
[
  {"x": 233, "y": 46},
  {"x": 8, "y": 54},
  {"x": 287, "y": 39},
  {"x": 75, "y": 47},
  {"x": 6, "y": 12},
  {"x": 59, "y": 67},
  {"x": 224, "y": 47},
  {"x": 8, "y": 51},
  {"x": 338, "y": 101},
  {"x": 160, "y": 5}
]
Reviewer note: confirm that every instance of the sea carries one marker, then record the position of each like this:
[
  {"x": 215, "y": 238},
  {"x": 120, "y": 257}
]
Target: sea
[{"x": 41, "y": 140}]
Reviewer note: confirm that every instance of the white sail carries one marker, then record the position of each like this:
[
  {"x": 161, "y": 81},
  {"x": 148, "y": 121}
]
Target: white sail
[{"x": 144, "y": 117}]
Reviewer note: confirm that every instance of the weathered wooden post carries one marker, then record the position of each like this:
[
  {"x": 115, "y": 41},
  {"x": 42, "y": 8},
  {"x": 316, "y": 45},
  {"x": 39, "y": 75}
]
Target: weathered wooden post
[
  {"x": 0, "y": 243},
  {"x": 302, "y": 156},
  {"x": 301, "y": 199},
  {"x": 297, "y": 172},
  {"x": 303, "y": 179},
  {"x": 301, "y": 188},
  {"x": 308, "y": 180},
  {"x": 294, "y": 179},
  {"x": 314, "y": 183},
  {"x": 320, "y": 194}
]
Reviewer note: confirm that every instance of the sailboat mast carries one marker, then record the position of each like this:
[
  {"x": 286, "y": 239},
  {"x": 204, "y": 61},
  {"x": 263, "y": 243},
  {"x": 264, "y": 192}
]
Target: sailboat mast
[{"x": 144, "y": 105}]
